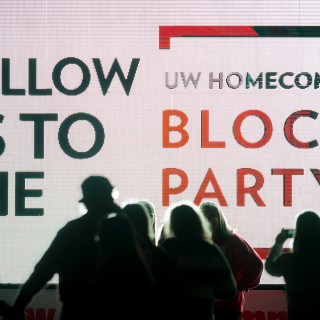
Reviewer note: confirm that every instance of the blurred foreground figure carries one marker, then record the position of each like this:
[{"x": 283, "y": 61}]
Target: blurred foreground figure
[
  {"x": 201, "y": 270},
  {"x": 245, "y": 263},
  {"x": 150, "y": 210},
  {"x": 123, "y": 284},
  {"x": 300, "y": 268},
  {"x": 159, "y": 259},
  {"x": 72, "y": 254}
]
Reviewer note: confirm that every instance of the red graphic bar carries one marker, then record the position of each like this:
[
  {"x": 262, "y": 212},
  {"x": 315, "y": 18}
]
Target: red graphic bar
[
  {"x": 167, "y": 32},
  {"x": 264, "y": 252}
]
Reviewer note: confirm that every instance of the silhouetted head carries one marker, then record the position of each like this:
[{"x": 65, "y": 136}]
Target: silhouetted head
[
  {"x": 115, "y": 236},
  {"x": 307, "y": 233},
  {"x": 97, "y": 192},
  {"x": 217, "y": 220},
  {"x": 185, "y": 223},
  {"x": 138, "y": 216},
  {"x": 150, "y": 210}
]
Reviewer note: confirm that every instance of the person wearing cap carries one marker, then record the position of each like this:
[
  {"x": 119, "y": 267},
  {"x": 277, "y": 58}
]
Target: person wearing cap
[{"x": 72, "y": 254}]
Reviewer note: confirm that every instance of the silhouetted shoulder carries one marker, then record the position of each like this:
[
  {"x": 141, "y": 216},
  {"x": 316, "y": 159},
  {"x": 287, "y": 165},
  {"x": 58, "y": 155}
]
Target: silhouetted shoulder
[
  {"x": 236, "y": 238},
  {"x": 199, "y": 248},
  {"x": 160, "y": 253}
]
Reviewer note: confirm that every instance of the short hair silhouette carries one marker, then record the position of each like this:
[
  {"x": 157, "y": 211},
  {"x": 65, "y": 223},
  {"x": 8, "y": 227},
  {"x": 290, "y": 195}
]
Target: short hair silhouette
[
  {"x": 72, "y": 254},
  {"x": 96, "y": 188}
]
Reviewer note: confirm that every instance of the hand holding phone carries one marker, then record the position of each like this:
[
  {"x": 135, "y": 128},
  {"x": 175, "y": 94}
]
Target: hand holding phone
[
  {"x": 284, "y": 235},
  {"x": 288, "y": 233}
]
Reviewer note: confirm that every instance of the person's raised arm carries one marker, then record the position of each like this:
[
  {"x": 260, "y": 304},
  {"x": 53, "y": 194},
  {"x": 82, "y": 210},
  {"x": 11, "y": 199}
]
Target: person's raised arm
[{"x": 272, "y": 265}]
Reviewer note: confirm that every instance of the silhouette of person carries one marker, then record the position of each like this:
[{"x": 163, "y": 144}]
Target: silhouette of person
[
  {"x": 245, "y": 263},
  {"x": 151, "y": 214},
  {"x": 123, "y": 282},
  {"x": 300, "y": 268},
  {"x": 200, "y": 269},
  {"x": 160, "y": 260},
  {"x": 72, "y": 254}
]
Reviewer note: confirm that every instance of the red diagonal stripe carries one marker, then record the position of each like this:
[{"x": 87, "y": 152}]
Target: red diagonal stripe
[{"x": 167, "y": 32}]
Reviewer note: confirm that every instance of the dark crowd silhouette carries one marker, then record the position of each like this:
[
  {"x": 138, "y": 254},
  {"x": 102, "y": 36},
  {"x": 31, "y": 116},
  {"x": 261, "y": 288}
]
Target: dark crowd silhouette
[
  {"x": 201, "y": 272},
  {"x": 245, "y": 263},
  {"x": 299, "y": 268},
  {"x": 111, "y": 264}
]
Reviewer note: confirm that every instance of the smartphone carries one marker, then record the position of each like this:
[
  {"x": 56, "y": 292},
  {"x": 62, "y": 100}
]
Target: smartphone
[{"x": 289, "y": 233}]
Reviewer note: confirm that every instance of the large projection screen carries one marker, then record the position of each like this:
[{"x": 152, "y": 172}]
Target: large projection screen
[{"x": 171, "y": 100}]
